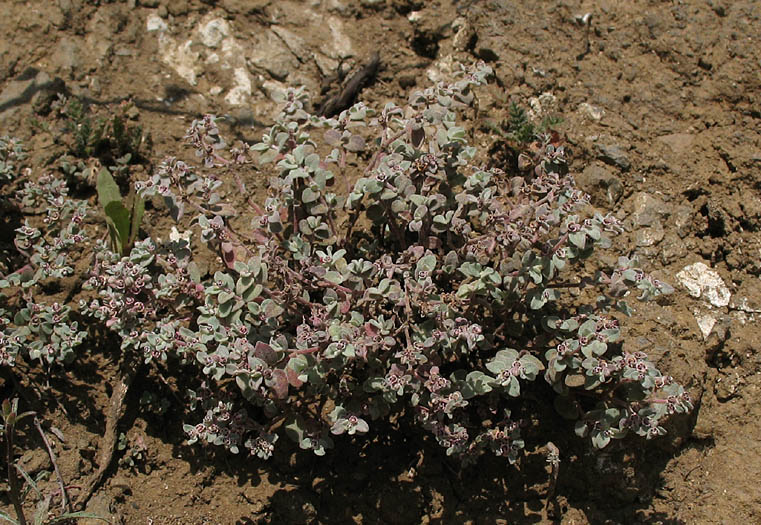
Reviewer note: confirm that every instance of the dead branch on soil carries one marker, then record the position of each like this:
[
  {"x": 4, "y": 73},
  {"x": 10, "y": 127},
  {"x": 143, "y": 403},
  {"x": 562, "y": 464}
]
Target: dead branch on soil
[
  {"x": 115, "y": 411},
  {"x": 341, "y": 101}
]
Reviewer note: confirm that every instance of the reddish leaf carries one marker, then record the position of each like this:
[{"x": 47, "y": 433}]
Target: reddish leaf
[
  {"x": 293, "y": 377},
  {"x": 228, "y": 254},
  {"x": 332, "y": 137},
  {"x": 434, "y": 243},
  {"x": 279, "y": 383},
  {"x": 265, "y": 352},
  {"x": 371, "y": 330},
  {"x": 524, "y": 162},
  {"x": 417, "y": 136}
]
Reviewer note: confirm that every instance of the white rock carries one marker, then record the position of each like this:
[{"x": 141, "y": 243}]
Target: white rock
[
  {"x": 214, "y": 31},
  {"x": 242, "y": 91},
  {"x": 700, "y": 280},
  {"x": 233, "y": 52},
  {"x": 212, "y": 45},
  {"x": 180, "y": 57},
  {"x": 327, "y": 65},
  {"x": 175, "y": 235},
  {"x": 590, "y": 111},
  {"x": 155, "y": 23},
  {"x": 745, "y": 305},
  {"x": 333, "y": 5},
  {"x": 340, "y": 46},
  {"x": 442, "y": 69},
  {"x": 544, "y": 104},
  {"x": 649, "y": 236},
  {"x": 464, "y": 34},
  {"x": 706, "y": 323}
]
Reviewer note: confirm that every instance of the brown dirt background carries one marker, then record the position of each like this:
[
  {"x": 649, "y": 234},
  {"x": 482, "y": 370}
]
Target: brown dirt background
[{"x": 675, "y": 152}]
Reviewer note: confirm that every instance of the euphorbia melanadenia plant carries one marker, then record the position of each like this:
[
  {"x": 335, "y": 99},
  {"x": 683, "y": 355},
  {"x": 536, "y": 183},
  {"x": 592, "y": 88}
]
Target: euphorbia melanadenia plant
[{"x": 431, "y": 286}]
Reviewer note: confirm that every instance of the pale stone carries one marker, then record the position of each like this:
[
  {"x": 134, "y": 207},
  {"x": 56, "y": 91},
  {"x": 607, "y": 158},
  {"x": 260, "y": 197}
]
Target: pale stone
[
  {"x": 464, "y": 34},
  {"x": 543, "y": 105},
  {"x": 233, "y": 52},
  {"x": 650, "y": 236},
  {"x": 590, "y": 111},
  {"x": 295, "y": 43},
  {"x": 647, "y": 210},
  {"x": 340, "y": 46},
  {"x": 239, "y": 94},
  {"x": 701, "y": 281},
  {"x": 678, "y": 142},
  {"x": 327, "y": 65},
  {"x": 155, "y": 23},
  {"x": 271, "y": 54},
  {"x": 180, "y": 57},
  {"x": 275, "y": 90},
  {"x": 213, "y": 32},
  {"x": 175, "y": 235},
  {"x": 442, "y": 69},
  {"x": 705, "y": 323}
]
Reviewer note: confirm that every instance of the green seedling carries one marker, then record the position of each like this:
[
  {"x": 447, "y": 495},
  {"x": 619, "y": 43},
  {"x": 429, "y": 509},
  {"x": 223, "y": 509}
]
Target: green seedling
[
  {"x": 123, "y": 216},
  {"x": 106, "y": 137}
]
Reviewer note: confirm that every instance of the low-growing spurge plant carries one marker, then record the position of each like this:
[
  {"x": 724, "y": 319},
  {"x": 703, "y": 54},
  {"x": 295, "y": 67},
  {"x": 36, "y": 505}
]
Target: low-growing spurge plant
[
  {"x": 30, "y": 324},
  {"x": 435, "y": 287},
  {"x": 388, "y": 273},
  {"x": 11, "y": 153}
]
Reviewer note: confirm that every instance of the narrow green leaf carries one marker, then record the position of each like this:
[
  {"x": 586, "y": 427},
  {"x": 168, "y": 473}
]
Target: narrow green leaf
[
  {"x": 7, "y": 518},
  {"x": 80, "y": 514},
  {"x": 29, "y": 480},
  {"x": 41, "y": 512},
  {"x": 108, "y": 191},
  {"x": 118, "y": 218},
  {"x": 138, "y": 209}
]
